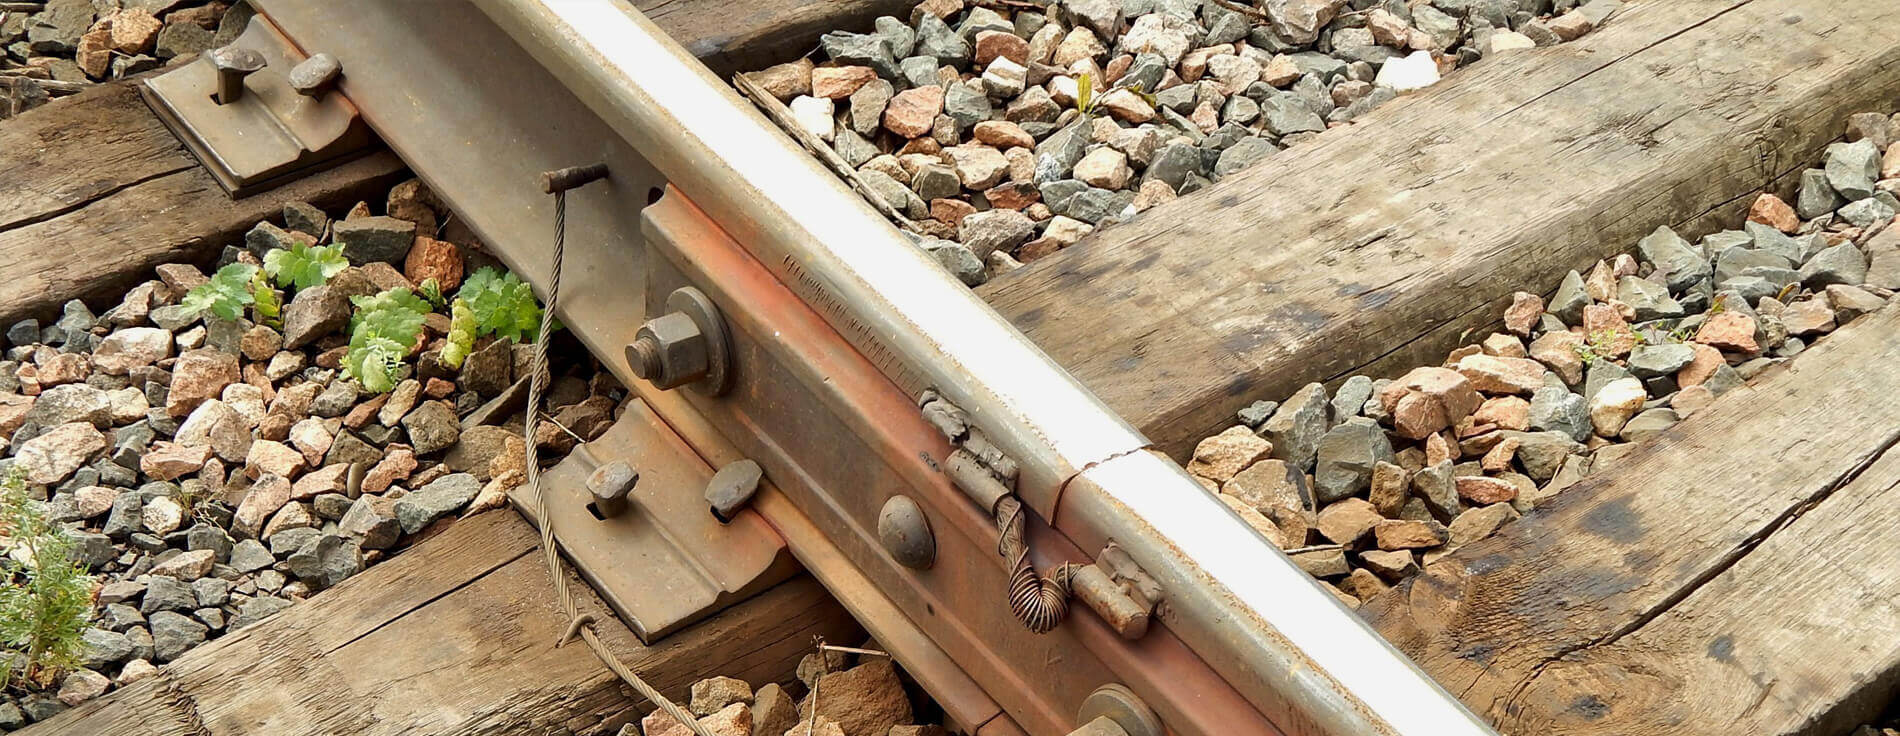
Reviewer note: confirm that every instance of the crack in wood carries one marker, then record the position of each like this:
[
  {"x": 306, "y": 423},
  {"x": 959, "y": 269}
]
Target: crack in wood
[{"x": 183, "y": 705}]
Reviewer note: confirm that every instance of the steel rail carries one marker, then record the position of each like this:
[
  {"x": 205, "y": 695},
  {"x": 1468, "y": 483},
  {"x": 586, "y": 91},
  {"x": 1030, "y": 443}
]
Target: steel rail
[{"x": 1239, "y": 603}]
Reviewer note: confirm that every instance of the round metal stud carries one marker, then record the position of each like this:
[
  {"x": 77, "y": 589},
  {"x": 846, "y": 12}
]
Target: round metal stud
[
  {"x": 905, "y": 532},
  {"x": 1117, "y": 703}
]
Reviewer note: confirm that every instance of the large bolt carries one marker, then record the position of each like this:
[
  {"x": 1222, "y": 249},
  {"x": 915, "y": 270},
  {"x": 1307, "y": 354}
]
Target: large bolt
[
  {"x": 669, "y": 351},
  {"x": 316, "y": 75},
  {"x": 233, "y": 64},
  {"x": 1115, "y": 709},
  {"x": 644, "y": 357}
]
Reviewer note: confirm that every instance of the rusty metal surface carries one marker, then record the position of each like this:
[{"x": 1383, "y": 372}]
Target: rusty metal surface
[
  {"x": 832, "y": 417},
  {"x": 664, "y": 562},
  {"x": 964, "y": 702},
  {"x": 896, "y": 305},
  {"x": 1283, "y": 635},
  {"x": 479, "y": 121},
  {"x": 922, "y": 330},
  {"x": 265, "y": 132},
  {"x": 840, "y": 439}
]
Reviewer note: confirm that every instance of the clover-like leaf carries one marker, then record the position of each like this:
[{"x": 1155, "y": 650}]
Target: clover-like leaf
[
  {"x": 303, "y": 265},
  {"x": 225, "y": 294},
  {"x": 502, "y": 305}
]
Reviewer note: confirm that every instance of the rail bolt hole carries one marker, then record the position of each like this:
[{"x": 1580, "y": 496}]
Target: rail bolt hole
[{"x": 654, "y": 194}]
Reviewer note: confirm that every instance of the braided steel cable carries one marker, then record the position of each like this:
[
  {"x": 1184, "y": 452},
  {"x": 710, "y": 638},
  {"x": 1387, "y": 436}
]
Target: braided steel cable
[{"x": 578, "y": 623}]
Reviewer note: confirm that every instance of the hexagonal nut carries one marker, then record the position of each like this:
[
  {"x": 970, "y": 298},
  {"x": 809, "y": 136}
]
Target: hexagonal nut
[{"x": 671, "y": 351}]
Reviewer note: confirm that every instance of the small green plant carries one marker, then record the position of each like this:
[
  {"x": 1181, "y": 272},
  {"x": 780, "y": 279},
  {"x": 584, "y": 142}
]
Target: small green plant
[
  {"x": 1086, "y": 101},
  {"x": 225, "y": 295},
  {"x": 431, "y": 290},
  {"x": 383, "y": 330},
  {"x": 501, "y": 304},
  {"x": 461, "y": 334},
  {"x": 43, "y": 615},
  {"x": 1597, "y": 346},
  {"x": 264, "y": 301},
  {"x": 304, "y": 265}
]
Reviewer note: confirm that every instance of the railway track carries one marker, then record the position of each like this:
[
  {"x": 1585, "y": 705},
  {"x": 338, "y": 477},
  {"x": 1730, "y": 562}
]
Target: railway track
[{"x": 906, "y": 428}]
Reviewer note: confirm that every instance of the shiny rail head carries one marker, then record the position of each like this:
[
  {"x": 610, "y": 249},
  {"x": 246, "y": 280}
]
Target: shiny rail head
[
  {"x": 887, "y": 295},
  {"x": 1241, "y": 605},
  {"x": 1332, "y": 673}
]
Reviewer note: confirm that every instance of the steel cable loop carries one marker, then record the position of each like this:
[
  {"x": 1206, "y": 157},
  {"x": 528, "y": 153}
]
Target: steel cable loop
[
  {"x": 1040, "y": 603},
  {"x": 583, "y": 623}
]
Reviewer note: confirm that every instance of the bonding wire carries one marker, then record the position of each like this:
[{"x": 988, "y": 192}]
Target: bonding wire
[{"x": 580, "y": 623}]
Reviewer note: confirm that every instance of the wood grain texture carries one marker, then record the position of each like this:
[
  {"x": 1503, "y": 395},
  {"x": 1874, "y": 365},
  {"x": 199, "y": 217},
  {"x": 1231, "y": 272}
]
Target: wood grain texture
[
  {"x": 98, "y": 193},
  {"x": 1382, "y": 244},
  {"x": 734, "y": 37},
  {"x": 66, "y": 154},
  {"x": 1733, "y": 574},
  {"x": 453, "y": 637}
]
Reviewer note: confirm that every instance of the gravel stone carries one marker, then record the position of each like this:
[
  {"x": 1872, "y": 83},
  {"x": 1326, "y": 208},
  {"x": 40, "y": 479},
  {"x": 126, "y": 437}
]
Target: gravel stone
[
  {"x": 1297, "y": 427},
  {"x": 173, "y": 634},
  {"x": 326, "y": 561},
  {"x": 1345, "y": 459},
  {"x": 255, "y": 610},
  {"x": 1852, "y": 168},
  {"x": 368, "y": 240},
  {"x": 994, "y": 230},
  {"x": 432, "y": 427},
  {"x": 250, "y": 555},
  {"x": 1842, "y": 264},
  {"x": 164, "y": 593},
  {"x": 438, "y": 499},
  {"x": 1651, "y": 361}
]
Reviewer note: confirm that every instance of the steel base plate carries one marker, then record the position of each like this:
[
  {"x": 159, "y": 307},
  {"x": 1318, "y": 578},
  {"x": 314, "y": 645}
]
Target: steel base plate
[
  {"x": 665, "y": 562},
  {"x": 271, "y": 134}
]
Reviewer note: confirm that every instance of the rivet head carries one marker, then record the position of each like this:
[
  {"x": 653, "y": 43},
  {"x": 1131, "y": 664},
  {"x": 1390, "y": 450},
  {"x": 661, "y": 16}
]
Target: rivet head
[{"x": 905, "y": 532}]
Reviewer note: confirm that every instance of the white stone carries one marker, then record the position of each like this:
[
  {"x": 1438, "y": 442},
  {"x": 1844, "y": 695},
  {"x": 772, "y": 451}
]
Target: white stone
[
  {"x": 1004, "y": 78},
  {"x": 814, "y": 114},
  {"x": 1614, "y": 404},
  {"x": 1066, "y": 230},
  {"x": 1104, "y": 167},
  {"x": 978, "y": 166},
  {"x": 1416, "y": 71},
  {"x": 247, "y": 400},
  {"x": 1502, "y": 41},
  {"x": 130, "y": 348},
  {"x": 163, "y": 515},
  {"x": 1064, "y": 89},
  {"x": 50, "y": 457},
  {"x": 128, "y": 405},
  {"x": 1234, "y": 72},
  {"x": 1157, "y": 33}
]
